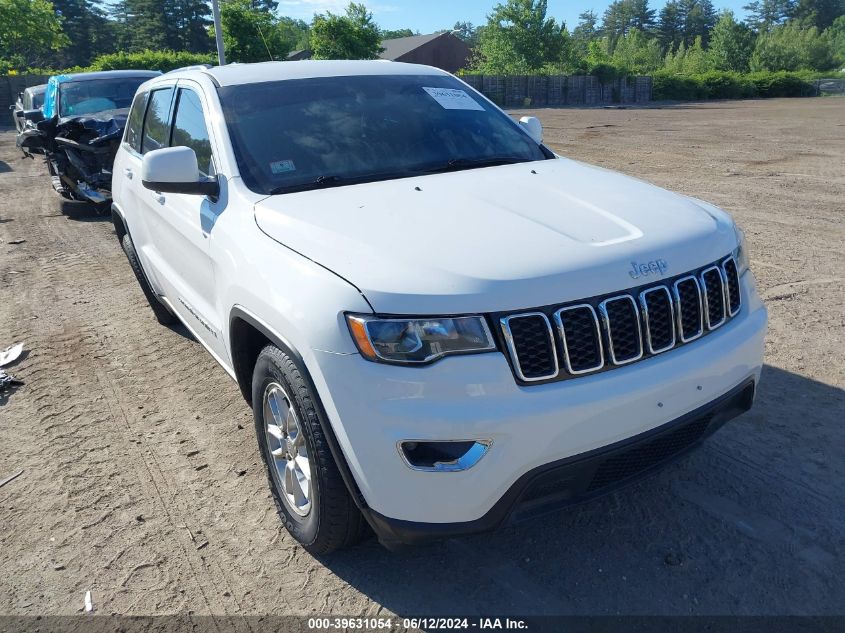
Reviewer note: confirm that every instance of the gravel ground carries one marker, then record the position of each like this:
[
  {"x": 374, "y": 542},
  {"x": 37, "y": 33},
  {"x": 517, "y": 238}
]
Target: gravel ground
[{"x": 142, "y": 482}]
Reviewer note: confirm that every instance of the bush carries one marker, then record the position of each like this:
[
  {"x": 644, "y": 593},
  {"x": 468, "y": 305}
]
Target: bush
[
  {"x": 780, "y": 84},
  {"x": 728, "y": 85},
  {"x": 672, "y": 87},
  {"x": 150, "y": 60}
]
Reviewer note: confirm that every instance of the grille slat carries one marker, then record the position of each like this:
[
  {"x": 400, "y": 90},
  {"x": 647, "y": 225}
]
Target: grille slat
[
  {"x": 656, "y": 304},
  {"x": 580, "y": 333},
  {"x": 688, "y": 308},
  {"x": 733, "y": 293},
  {"x": 714, "y": 297},
  {"x": 601, "y": 333},
  {"x": 531, "y": 345},
  {"x": 622, "y": 324}
]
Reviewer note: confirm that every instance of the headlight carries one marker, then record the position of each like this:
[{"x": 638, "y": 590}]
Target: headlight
[
  {"x": 740, "y": 253},
  {"x": 414, "y": 341}
]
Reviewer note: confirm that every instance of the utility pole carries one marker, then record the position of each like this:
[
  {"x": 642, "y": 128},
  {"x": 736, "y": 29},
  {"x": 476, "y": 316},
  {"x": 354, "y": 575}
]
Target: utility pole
[{"x": 218, "y": 32}]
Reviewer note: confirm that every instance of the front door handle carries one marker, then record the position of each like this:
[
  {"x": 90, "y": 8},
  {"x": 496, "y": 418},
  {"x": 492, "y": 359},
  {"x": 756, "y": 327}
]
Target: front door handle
[
  {"x": 128, "y": 172},
  {"x": 158, "y": 197}
]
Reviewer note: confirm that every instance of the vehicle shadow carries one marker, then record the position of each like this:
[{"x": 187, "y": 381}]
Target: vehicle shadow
[
  {"x": 81, "y": 211},
  {"x": 750, "y": 523}
]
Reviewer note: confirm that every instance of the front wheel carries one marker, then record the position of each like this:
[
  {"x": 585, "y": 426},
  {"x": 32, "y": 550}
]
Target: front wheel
[{"x": 307, "y": 487}]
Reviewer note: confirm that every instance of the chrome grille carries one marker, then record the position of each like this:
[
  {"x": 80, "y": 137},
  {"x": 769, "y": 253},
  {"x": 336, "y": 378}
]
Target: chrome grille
[
  {"x": 531, "y": 345},
  {"x": 659, "y": 319},
  {"x": 732, "y": 293},
  {"x": 579, "y": 330},
  {"x": 713, "y": 292},
  {"x": 687, "y": 293},
  {"x": 598, "y": 334},
  {"x": 622, "y": 324}
]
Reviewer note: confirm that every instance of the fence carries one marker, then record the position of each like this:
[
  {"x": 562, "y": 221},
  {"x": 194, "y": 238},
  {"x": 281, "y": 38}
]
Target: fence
[
  {"x": 11, "y": 86},
  {"x": 825, "y": 87},
  {"x": 537, "y": 91}
]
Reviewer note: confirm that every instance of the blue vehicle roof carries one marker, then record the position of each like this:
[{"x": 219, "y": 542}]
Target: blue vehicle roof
[{"x": 50, "y": 97}]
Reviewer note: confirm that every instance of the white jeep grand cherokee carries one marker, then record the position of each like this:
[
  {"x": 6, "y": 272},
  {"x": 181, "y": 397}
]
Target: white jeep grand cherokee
[{"x": 440, "y": 325}]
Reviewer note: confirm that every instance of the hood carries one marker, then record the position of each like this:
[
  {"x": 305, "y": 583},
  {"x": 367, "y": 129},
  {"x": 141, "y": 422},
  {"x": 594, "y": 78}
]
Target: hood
[{"x": 498, "y": 238}]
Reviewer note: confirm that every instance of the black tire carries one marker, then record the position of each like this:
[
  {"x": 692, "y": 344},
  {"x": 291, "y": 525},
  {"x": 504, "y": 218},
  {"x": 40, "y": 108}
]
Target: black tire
[
  {"x": 333, "y": 521},
  {"x": 161, "y": 311}
]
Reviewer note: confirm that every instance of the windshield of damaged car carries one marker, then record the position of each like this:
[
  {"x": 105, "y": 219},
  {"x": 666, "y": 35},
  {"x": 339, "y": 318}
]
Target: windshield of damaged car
[
  {"x": 303, "y": 134},
  {"x": 96, "y": 95}
]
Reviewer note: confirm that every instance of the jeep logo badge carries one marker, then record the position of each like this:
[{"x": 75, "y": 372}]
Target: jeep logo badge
[{"x": 654, "y": 267}]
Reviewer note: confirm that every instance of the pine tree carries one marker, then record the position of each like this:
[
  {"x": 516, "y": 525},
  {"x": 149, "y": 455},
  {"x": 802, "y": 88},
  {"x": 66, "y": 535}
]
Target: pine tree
[
  {"x": 764, "y": 14},
  {"x": 699, "y": 18},
  {"x": 670, "y": 26}
]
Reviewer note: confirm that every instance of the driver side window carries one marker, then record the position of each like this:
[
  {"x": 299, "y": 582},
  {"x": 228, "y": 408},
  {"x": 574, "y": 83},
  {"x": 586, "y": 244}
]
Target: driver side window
[{"x": 190, "y": 130}]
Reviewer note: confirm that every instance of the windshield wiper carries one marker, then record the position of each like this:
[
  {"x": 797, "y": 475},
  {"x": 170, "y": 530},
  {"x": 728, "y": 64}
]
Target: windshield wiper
[
  {"x": 321, "y": 182},
  {"x": 457, "y": 164}
]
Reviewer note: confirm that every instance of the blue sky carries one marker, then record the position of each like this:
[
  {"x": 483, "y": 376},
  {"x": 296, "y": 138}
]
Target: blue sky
[{"x": 427, "y": 16}]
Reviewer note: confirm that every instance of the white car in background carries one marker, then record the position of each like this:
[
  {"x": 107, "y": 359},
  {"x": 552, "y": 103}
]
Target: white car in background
[{"x": 441, "y": 326}]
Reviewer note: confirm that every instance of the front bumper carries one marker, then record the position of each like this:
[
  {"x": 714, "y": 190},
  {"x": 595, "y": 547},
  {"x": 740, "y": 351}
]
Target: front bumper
[
  {"x": 574, "y": 479},
  {"x": 372, "y": 407}
]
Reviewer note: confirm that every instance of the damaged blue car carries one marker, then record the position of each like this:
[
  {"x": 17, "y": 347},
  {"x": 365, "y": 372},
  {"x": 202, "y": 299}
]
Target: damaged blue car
[{"x": 79, "y": 129}]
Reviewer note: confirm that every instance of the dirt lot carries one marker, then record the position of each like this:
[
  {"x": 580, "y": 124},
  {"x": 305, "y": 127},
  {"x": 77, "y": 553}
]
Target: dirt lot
[{"x": 142, "y": 482}]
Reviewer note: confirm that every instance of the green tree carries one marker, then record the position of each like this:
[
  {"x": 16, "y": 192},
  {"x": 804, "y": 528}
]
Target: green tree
[
  {"x": 636, "y": 53},
  {"x": 192, "y": 19},
  {"x": 519, "y": 38},
  {"x": 670, "y": 26},
  {"x": 296, "y": 33},
  {"x": 145, "y": 24},
  {"x": 86, "y": 26},
  {"x": 396, "y": 34},
  {"x": 251, "y": 34},
  {"x": 351, "y": 36},
  {"x": 623, "y": 16},
  {"x": 731, "y": 44},
  {"x": 791, "y": 47},
  {"x": 585, "y": 32},
  {"x": 29, "y": 30},
  {"x": 699, "y": 18},
  {"x": 818, "y": 13},
  {"x": 467, "y": 32},
  {"x": 764, "y": 14},
  {"x": 836, "y": 38},
  {"x": 688, "y": 61}
]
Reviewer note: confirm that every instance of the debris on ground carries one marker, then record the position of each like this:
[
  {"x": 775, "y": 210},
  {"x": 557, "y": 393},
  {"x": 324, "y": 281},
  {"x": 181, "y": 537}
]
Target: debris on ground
[
  {"x": 10, "y": 354},
  {"x": 7, "y": 381},
  {"x": 17, "y": 241},
  {"x": 10, "y": 478},
  {"x": 89, "y": 603}
]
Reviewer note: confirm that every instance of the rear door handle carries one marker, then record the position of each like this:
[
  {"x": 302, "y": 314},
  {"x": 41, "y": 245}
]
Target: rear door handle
[{"x": 128, "y": 172}]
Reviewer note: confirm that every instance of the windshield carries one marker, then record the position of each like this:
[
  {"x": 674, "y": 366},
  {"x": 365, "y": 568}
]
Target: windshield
[
  {"x": 95, "y": 95},
  {"x": 308, "y": 133}
]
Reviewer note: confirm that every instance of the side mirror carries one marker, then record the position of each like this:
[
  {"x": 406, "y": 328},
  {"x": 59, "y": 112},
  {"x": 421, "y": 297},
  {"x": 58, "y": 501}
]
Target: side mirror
[
  {"x": 33, "y": 115},
  {"x": 175, "y": 170},
  {"x": 532, "y": 125}
]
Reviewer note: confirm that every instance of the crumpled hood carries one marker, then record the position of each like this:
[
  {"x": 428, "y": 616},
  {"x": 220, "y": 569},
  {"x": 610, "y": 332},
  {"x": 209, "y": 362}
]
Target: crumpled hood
[{"x": 499, "y": 238}]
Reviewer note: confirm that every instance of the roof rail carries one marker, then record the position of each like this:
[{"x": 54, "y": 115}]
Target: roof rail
[{"x": 194, "y": 67}]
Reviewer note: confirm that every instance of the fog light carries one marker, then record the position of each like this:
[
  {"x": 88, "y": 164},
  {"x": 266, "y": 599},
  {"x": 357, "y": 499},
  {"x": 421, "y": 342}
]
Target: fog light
[{"x": 443, "y": 456}]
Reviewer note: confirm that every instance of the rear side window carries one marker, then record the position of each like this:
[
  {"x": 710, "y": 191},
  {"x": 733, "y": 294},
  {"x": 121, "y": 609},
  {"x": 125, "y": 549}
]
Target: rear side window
[
  {"x": 156, "y": 123},
  {"x": 189, "y": 129},
  {"x": 135, "y": 121}
]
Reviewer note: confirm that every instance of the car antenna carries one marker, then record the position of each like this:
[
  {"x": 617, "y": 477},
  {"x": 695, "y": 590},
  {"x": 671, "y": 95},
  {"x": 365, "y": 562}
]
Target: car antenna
[{"x": 258, "y": 26}]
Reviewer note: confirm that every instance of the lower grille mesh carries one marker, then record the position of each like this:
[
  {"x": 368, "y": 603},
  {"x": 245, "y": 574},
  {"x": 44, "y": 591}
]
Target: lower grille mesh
[{"x": 643, "y": 457}]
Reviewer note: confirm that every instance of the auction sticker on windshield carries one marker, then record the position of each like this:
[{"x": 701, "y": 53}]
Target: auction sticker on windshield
[
  {"x": 453, "y": 99},
  {"x": 282, "y": 166}
]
